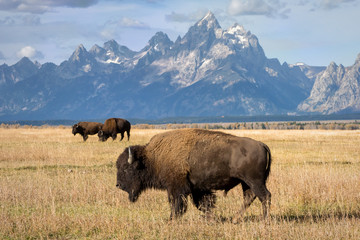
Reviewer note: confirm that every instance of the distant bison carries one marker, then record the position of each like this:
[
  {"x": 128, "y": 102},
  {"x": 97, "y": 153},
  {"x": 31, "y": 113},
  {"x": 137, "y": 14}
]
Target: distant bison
[
  {"x": 86, "y": 128},
  {"x": 196, "y": 162},
  {"x": 112, "y": 127}
]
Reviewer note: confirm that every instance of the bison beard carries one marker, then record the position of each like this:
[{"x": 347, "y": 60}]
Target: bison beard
[{"x": 195, "y": 162}]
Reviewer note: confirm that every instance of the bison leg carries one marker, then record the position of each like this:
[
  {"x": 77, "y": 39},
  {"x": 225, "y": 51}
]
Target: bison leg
[
  {"x": 178, "y": 200},
  {"x": 249, "y": 197},
  {"x": 113, "y": 136},
  {"x": 178, "y": 205},
  {"x": 85, "y": 137},
  {"x": 204, "y": 201},
  {"x": 265, "y": 199},
  {"x": 122, "y": 136},
  {"x": 128, "y": 135},
  {"x": 264, "y": 196}
]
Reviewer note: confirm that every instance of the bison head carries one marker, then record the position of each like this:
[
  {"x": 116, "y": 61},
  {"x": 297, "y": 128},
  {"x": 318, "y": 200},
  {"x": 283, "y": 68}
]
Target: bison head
[
  {"x": 103, "y": 136},
  {"x": 131, "y": 172},
  {"x": 77, "y": 129}
]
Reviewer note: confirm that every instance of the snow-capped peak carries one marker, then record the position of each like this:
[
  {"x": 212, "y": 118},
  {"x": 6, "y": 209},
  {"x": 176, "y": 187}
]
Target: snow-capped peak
[
  {"x": 238, "y": 35},
  {"x": 237, "y": 29},
  {"x": 297, "y": 64}
]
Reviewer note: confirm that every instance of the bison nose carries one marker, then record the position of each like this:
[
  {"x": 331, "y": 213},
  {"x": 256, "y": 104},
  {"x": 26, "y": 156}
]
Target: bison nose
[{"x": 118, "y": 185}]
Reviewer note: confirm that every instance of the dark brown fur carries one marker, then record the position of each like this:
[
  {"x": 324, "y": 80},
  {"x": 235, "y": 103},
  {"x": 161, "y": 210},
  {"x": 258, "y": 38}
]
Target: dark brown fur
[
  {"x": 112, "y": 127},
  {"x": 196, "y": 162},
  {"x": 86, "y": 128}
]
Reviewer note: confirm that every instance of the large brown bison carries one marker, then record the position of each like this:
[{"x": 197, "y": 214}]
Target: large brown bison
[
  {"x": 196, "y": 162},
  {"x": 112, "y": 127},
  {"x": 86, "y": 128}
]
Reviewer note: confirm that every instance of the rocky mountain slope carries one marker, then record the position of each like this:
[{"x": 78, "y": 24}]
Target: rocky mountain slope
[
  {"x": 207, "y": 72},
  {"x": 337, "y": 89}
]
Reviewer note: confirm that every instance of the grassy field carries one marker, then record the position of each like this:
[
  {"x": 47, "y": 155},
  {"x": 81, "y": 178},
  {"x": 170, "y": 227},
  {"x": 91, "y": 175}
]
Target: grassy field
[{"x": 55, "y": 186}]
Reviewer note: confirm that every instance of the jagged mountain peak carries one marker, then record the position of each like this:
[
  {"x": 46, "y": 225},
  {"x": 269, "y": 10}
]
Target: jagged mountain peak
[
  {"x": 96, "y": 49},
  {"x": 357, "y": 60},
  {"x": 160, "y": 37},
  {"x": 334, "y": 69},
  {"x": 25, "y": 62},
  {"x": 111, "y": 45},
  {"x": 111, "y": 52},
  {"x": 336, "y": 89},
  {"x": 332, "y": 64},
  {"x": 80, "y": 48},
  {"x": 239, "y": 35},
  {"x": 18, "y": 72},
  {"x": 210, "y": 71},
  {"x": 79, "y": 54},
  {"x": 237, "y": 29},
  {"x": 209, "y": 20},
  {"x": 204, "y": 32}
]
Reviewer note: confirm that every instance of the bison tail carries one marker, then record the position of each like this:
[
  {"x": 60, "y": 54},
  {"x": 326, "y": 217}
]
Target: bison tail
[{"x": 268, "y": 165}]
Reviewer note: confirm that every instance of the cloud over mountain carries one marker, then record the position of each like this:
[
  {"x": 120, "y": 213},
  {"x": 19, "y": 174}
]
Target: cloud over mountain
[
  {"x": 29, "y": 52},
  {"x": 210, "y": 71},
  {"x": 258, "y": 7}
]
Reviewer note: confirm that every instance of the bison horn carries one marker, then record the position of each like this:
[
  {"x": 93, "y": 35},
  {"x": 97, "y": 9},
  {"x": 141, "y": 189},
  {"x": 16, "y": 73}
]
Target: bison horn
[{"x": 130, "y": 159}]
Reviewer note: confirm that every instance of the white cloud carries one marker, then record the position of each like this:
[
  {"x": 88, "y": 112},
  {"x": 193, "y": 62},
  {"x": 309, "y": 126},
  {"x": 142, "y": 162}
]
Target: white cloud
[
  {"x": 269, "y": 8},
  {"x": 41, "y": 6},
  {"x": 27, "y": 20},
  {"x": 29, "y": 52},
  {"x": 114, "y": 28},
  {"x": 132, "y": 23},
  {"x": 332, "y": 4},
  {"x": 190, "y": 17}
]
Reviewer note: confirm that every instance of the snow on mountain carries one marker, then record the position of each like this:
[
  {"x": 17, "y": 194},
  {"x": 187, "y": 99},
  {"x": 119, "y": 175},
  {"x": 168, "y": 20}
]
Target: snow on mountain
[{"x": 209, "y": 71}]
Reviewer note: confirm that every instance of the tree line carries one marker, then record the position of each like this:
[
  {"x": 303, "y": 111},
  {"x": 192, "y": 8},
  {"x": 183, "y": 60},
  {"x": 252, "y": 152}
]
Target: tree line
[{"x": 342, "y": 125}]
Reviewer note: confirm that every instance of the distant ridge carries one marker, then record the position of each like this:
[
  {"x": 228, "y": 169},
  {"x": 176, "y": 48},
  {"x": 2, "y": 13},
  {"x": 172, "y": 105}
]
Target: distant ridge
[
  {"x": 190, "y": 120},
  {"x": 209, "y": 71}
]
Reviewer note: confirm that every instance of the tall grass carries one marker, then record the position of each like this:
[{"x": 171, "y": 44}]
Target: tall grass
[{"x": 55, "y": 186}]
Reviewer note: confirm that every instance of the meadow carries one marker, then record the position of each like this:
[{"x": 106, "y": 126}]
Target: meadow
[{"x": 55, "y": 186}]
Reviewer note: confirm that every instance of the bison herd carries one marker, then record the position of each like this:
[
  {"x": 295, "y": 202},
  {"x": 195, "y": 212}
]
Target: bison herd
[
  {"x": 189, "y": 163},
  {"x": 110, "y": 128}
]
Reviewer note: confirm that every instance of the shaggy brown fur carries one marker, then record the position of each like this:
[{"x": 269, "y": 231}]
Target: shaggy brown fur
[
  {"x": 86, "y": 128},
  {"x": 196, "y": 162},
  {"x": 112, "y": 127}
]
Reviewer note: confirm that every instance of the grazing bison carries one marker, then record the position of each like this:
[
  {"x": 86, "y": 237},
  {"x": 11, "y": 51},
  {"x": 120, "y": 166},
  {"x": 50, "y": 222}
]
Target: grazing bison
[
  {"x": 112, "y": 127},
  {"x": 196, "y": 162},
  {"x": 86, "y": 128}
]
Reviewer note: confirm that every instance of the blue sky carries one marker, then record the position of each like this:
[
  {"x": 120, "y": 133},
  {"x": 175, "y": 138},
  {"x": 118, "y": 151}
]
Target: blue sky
[{"x": 315, "y": 32}]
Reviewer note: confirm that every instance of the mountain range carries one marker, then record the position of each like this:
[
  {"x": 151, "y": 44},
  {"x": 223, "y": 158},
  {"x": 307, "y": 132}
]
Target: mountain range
[{"x": 207, "y": 72}]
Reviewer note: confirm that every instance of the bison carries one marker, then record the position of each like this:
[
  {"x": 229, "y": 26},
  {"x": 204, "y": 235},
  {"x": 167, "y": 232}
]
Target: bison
[
  {"x": 196, "y": 162},
  {"x": 86, "y": 128},
  {"x": 112, "y": 127}
]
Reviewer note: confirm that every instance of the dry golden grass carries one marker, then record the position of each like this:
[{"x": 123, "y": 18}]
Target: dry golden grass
[{"x": 54, "y": 186}]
